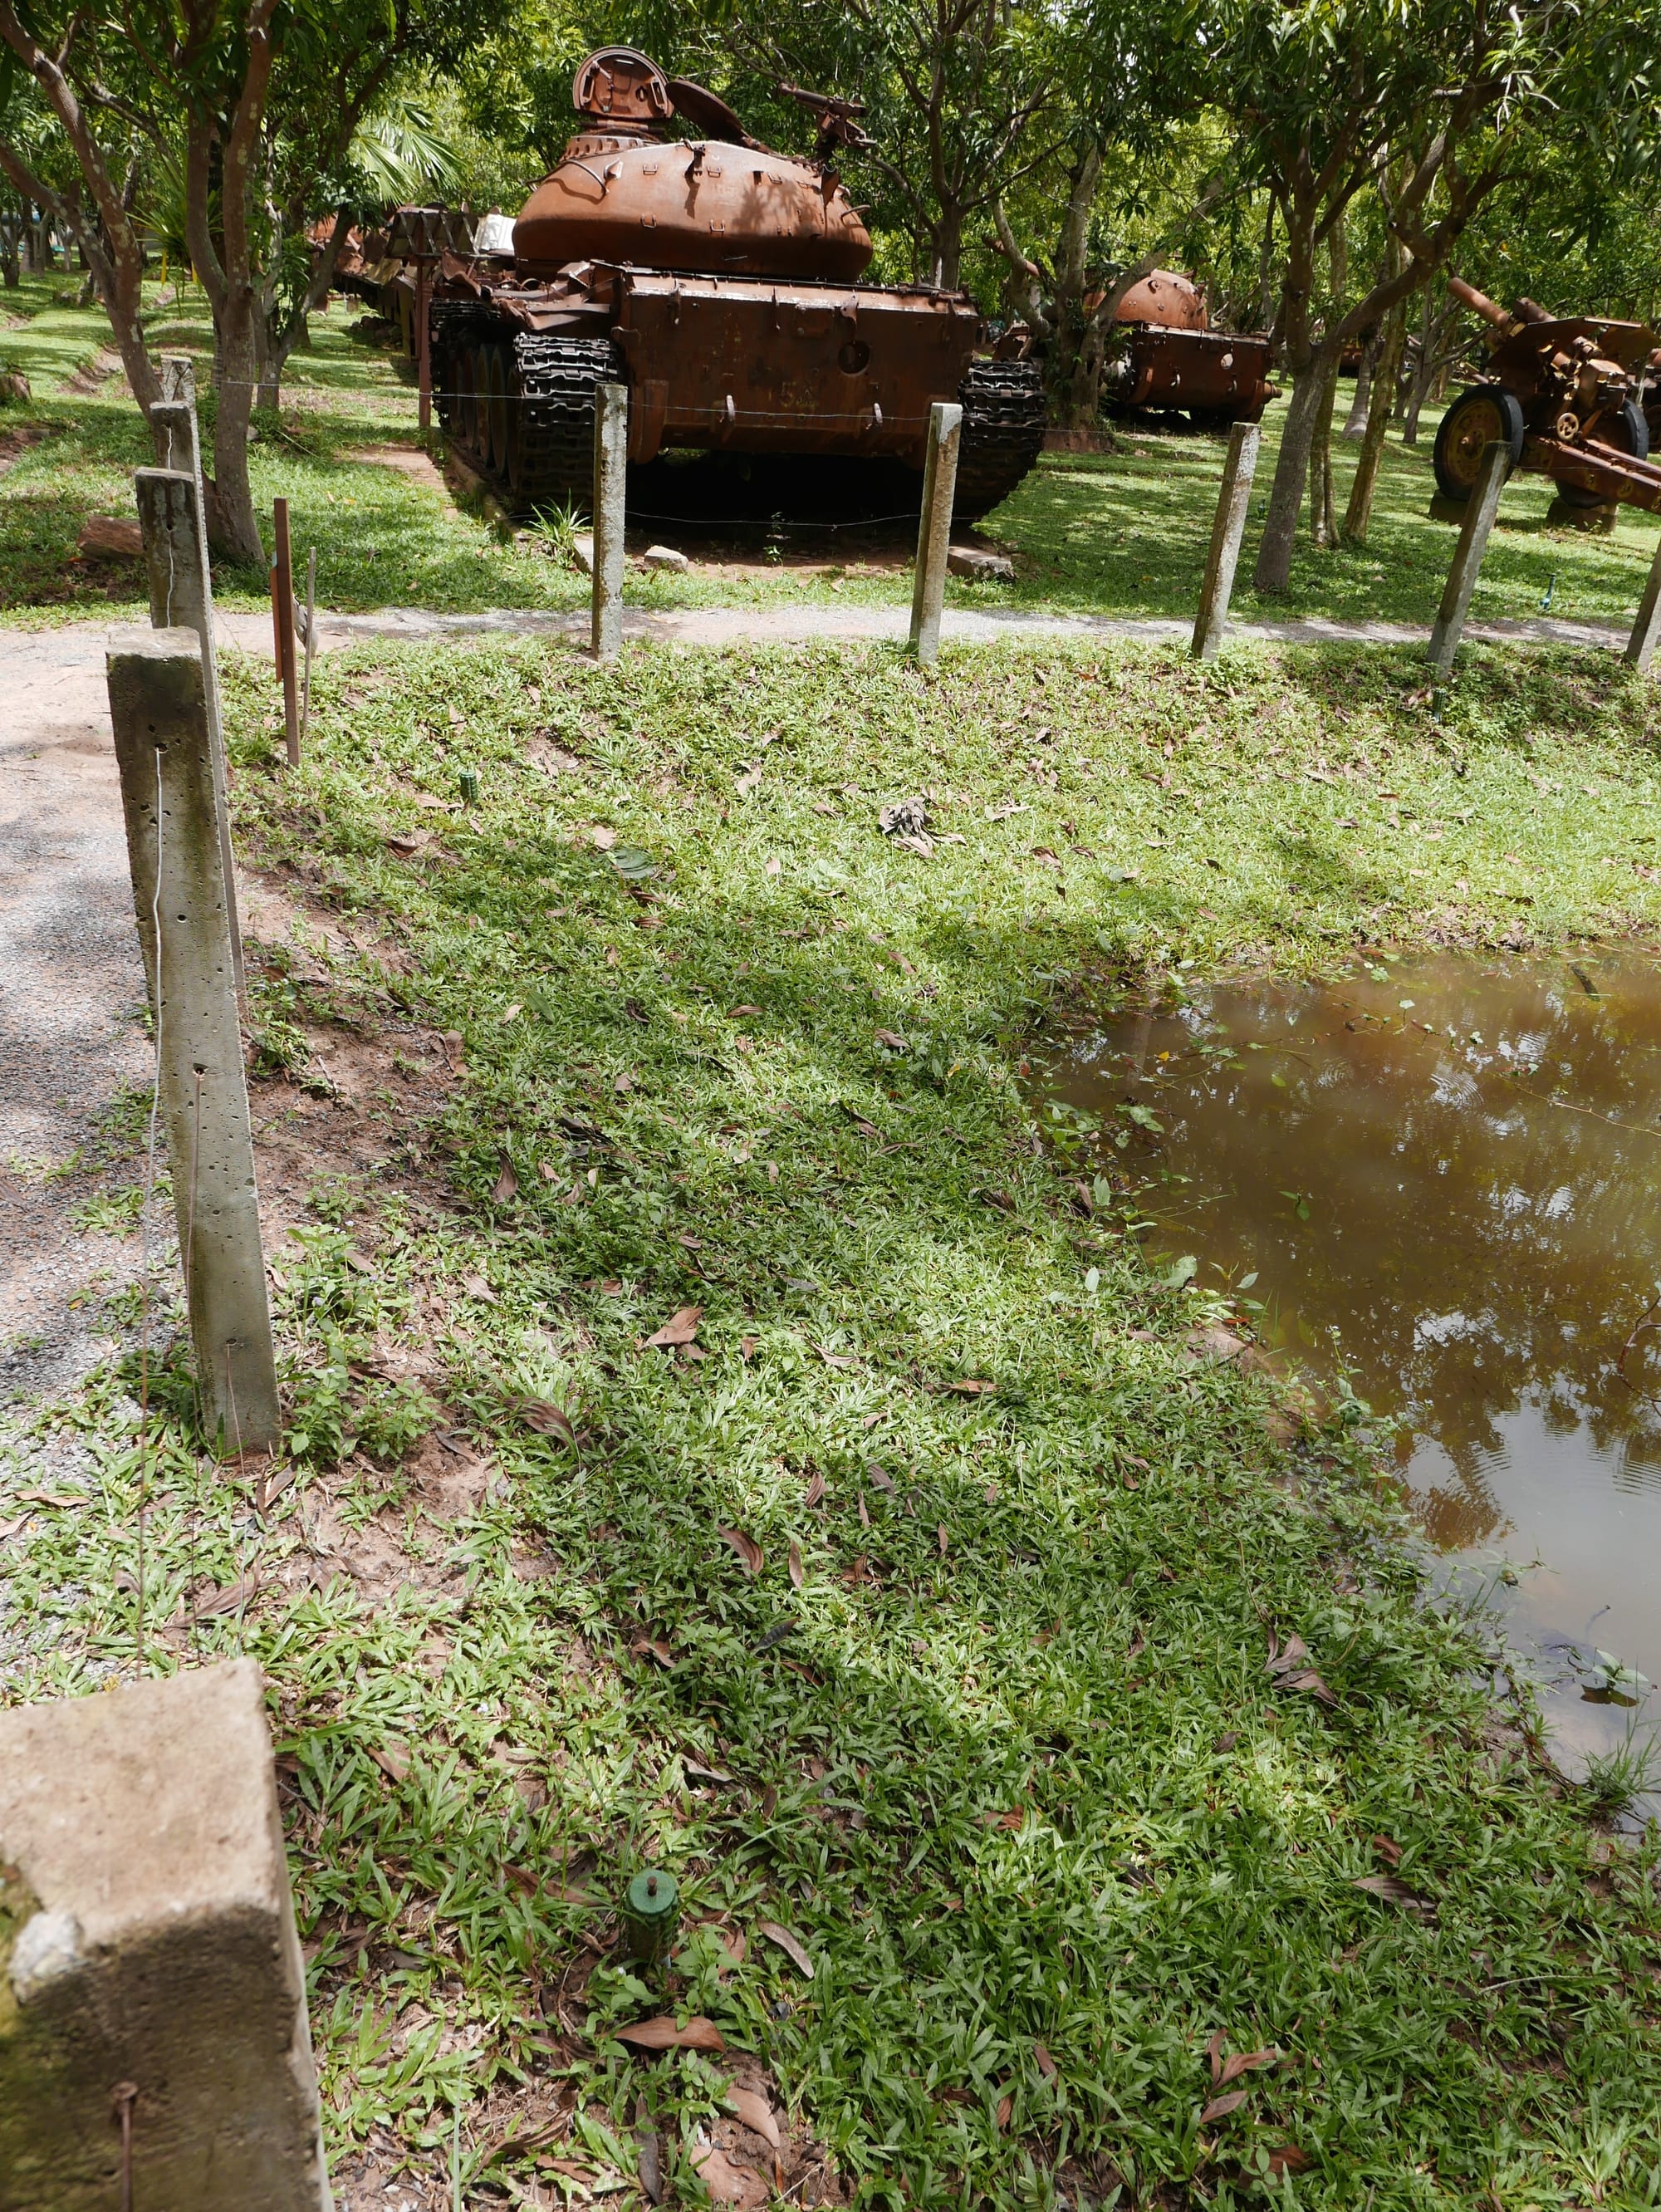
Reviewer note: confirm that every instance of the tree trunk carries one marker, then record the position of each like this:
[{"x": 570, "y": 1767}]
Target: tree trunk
[
  {"x": 10, "y": 268},
  {"x": 1358, "y": 515},
  {"x": 1280, "y": 528},
  {"x": 1323, "y": 525},
  {"x": 1356, "y": 420},
  {"x": 230, "y": 519}
]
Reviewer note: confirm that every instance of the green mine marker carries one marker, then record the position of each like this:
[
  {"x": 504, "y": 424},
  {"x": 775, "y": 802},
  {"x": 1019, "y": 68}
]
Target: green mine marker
[
  {"x": 651, "y": 1911},
  {"x": 1550, "y": 588},
  {"x": 469, "y": 781}
]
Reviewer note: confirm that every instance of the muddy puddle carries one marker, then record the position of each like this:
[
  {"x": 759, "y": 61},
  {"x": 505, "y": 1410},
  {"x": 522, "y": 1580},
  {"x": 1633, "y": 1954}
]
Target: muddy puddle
[{"x": 1441, "y": 1178}]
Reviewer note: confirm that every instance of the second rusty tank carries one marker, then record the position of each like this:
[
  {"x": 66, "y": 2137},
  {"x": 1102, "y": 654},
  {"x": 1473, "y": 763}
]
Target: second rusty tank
[
  {"x": 720, "y": 282},
  {"x": 1169, "y": 358}
]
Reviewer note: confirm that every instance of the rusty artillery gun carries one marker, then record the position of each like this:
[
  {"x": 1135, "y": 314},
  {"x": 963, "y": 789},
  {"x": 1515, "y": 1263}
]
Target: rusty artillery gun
[
  {"x": 719, "y": 281},
  {"x": 1565, "y": 395}
]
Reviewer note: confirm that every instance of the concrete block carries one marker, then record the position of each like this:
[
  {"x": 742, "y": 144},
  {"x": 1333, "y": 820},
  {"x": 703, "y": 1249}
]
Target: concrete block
[
  {"x": 979, "y": 566},
  {"x": 667, "y": 557},
  {"x": 148, "y": 1944}
]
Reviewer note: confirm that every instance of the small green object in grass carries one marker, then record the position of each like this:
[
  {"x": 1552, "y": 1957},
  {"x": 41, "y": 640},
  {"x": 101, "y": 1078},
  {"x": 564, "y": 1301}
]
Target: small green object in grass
[
  {"x": 468, "y": 783},
  {"x": 651, "y": 1911}
]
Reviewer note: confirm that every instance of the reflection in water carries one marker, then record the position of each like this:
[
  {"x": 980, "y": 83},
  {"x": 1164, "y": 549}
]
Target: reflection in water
[{"x": 1445, "y": 1175}]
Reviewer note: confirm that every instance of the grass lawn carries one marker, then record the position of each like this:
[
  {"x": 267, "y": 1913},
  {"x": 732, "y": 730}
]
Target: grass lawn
[
  {"x": 1123, "y": 533},
  {"x": 915, "y": 1602}
]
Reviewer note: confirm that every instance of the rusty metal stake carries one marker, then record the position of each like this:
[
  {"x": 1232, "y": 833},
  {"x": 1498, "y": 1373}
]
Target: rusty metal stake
[
  {"x": 1234, "y": 504},
  {"x": 1646, "y": 630},
  {"x": 123, "y": 2097},
  {"x": 282, "y": 615},
  {"x": 934, "y": 529},
  {"x": 1484, "y": 504}
]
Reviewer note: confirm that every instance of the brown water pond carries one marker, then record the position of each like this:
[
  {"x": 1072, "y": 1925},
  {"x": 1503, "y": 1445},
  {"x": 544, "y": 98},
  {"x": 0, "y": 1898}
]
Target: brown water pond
[{"x": 1441, "y": 1178}]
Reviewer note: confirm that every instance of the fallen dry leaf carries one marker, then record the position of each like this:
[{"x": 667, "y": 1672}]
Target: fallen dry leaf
[
  {"x": 392, "y": 1759},
  {"x": 646, "y": 1647},
  {"x": 797, "y": 1576},
  {"x": 1394, "y": 1891},
  {"x": 727, "y": 2183},
  {"x": 1005, "y": 2107},
  {"x": 756, "y": 2113},
  {"x": 880, "y": 1476},
  {"x": 1289, "y": 2159},
  {"x": 603, "y": 838},
  {"x": 1213, "y": 2056},
  {"x": 815, "y": 1490},
  {"x": 746, "y": 1347},
  {"x": 476, "y": 1287},
  {"x": 548, "y": 1420},
  {"x": 1390, "y": 1852},
  {"x": 751, "y": 1557},
  {"x": 1244, "y": 2062},
  {"x": 406, "y": 841},
  {"x": 941, "y": 1539},
  {"x": 1220, "y": 2107},
  {"x": 836, "y": 1358},
  {"x": 790, "y": 1945},
  {"x": 737, "y": 1013},
  {"x": 680, "y": 1328},
  {"x": 891, "y": 1039},
  {"x": 772, "y": 867},
  {"x": 1047, "y": 2064},
  {"x": 865, "y": 1516},
  {"x": 971, "y": 1388},
  {"x": 664, "y": 2034}
]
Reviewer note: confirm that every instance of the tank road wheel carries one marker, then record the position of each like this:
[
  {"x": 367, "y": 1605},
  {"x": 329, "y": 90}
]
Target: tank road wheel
[
  {"x": 1628, "y": 433},
  {"x": 1003, "y": 433},
  {"x": 1476, "y": 419},
  {"x": 496, "y": 372},
  {"x": 464, "y": 406}
]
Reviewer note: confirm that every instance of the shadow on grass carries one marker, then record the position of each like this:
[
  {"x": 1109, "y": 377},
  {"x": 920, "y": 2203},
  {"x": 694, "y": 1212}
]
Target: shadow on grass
[{"x": 1002, "y": 1752}]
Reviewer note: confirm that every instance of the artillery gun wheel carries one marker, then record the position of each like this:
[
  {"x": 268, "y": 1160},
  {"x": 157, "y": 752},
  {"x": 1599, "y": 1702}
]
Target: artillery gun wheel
[
  {"x": 1478, "y": 418},
  {"x": 1003, "y": 433},
  {"x": 1630, "y": 434}
]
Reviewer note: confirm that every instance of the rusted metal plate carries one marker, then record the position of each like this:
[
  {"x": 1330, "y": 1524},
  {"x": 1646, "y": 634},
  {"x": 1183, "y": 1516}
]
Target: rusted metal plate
[
  {"x": 1208, "y": 372},
  {"x": 764, "y": 368}
]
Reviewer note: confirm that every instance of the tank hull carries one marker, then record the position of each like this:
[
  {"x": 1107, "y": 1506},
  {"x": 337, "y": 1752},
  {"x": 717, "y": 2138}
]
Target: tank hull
[
  {"x": 787, "y": 370},
  {"x": 1216, "y": 376}
]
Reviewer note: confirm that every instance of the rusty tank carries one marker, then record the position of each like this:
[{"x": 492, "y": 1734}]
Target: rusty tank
[
  {"x": 1169, "y": 359},
  {"x": 720, "y": 281},
  {"x": 1565, "y": 394}
]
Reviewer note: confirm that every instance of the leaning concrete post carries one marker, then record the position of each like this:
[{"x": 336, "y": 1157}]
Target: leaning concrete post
[
  {"x": 1480, "y": 511},
  {"x": 155, "y": 2051},
  {"x": 610, "y": 500},
  {"x": 1234, "y": 504},
  {"x": 162, "y": 751},
  {"x": 182, "y": 593},
  {"x": 934, "y": 529},
  {"x": 1646, "y": 630}
]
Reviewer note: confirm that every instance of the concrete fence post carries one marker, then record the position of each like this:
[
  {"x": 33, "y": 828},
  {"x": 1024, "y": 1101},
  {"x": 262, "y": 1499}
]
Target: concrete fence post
[
  {"x": 1480, "y": 511},
  {"x": 1646, "y": 630},
  {"x": 934, "y": 528},
  {"x": 167, "y": 793},
  {"x": 610, "y": 506},
  {"x": 170, "y": 515},
  {"x": 1234, "y": 504}
]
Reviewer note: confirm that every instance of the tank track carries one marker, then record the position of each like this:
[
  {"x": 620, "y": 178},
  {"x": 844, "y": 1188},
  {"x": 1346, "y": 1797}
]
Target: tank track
[
  {"x": 1003, "y": 405},
  {"x": 558, "y": 377},
  {"x": 544, "y": 453}
]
